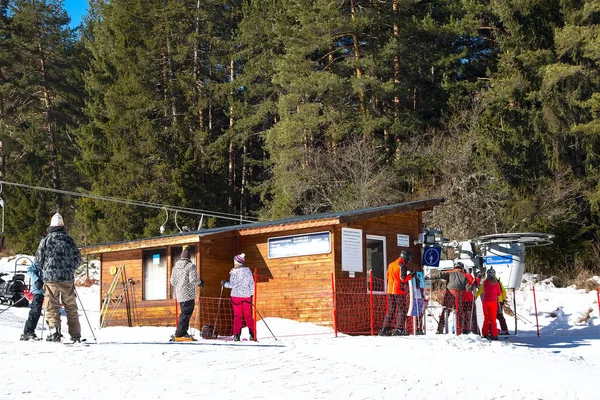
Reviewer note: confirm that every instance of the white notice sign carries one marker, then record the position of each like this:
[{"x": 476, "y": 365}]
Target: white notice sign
[
  {"x": 352, "y": 250},
  {"x": 403, "y": 240}
]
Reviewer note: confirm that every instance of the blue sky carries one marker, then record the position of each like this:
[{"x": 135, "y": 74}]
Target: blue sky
[{"x": 76, "y": 10}]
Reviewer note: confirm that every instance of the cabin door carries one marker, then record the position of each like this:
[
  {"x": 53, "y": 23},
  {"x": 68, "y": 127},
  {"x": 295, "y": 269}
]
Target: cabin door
[{"x": 376, "y": 262}]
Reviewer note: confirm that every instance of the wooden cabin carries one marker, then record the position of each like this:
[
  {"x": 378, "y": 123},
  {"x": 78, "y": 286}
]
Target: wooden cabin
[{"x": 298, "y": 260}]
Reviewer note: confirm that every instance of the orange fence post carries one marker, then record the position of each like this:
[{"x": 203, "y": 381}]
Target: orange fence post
[
  {"x": 371, "y": 302},
  {"x": 457, "y": 313},
  {"x": 176, "y": 314},
  {"x": 255, "y": 297},
  {"x": 333, "y": 303},
  {"x": 598, "y": 295},
  {"x": 536, "y": 313}
]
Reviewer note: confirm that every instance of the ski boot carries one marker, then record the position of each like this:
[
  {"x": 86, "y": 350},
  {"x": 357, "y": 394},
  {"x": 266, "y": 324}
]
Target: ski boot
[
  {"x": 236, "y": 337},
  {"x": 77, "y": 339},
  {"x": 54, "y": 337},
  {"x": 385, "y": 332},
  {"x": 183, "y": 338},
  {"x": 399, "y": 332},
  {"x": 29, "y": 336},
  {"x": 419, "y": 332},
  {"x": 252, "y": 336}
]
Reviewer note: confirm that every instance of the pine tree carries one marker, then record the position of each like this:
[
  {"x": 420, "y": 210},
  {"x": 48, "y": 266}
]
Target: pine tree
[{"x": 39, "y": 113}]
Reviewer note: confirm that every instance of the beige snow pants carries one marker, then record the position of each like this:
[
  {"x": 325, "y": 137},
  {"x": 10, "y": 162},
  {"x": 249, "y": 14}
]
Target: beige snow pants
[{"x": 57, "y": 292}]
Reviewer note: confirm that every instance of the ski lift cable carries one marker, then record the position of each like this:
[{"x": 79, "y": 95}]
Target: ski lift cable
[{"x": 184, "y": 210}]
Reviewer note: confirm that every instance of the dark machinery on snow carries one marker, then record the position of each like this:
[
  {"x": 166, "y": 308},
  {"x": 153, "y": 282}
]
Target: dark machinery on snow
[{"x": 13, "y": 291}]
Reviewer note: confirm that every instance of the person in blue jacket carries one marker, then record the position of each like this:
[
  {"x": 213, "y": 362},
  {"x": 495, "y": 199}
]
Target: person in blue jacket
[{"x": 37, "y": 289}]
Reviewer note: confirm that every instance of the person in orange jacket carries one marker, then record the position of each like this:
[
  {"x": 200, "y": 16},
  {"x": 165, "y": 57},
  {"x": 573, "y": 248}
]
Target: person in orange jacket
[
  {"x": 491, "y": 291},
  {"x": 397, "y": 278}
]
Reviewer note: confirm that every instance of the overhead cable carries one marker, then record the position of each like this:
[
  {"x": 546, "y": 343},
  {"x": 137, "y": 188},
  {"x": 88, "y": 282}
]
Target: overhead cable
[{"x": 183, "y": 210}]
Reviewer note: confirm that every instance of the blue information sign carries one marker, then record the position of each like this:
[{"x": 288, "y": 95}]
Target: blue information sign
[
  {"x": 431, "y": 256},
  {"x": 495, "y": 260}
]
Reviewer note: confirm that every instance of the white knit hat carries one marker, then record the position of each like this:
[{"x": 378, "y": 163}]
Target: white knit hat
[
  {"x": 57, "y": 220},
  {"x": 240, "y": 258}
]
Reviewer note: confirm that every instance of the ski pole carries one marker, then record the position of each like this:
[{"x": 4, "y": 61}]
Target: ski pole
[
  {"x": 12, "y": 305},
  {"x": 197, "y": 312},
  {"x": 84, "y": 313},
  {"x": 214, "y": 332},
  {"x": 263, "y": 320},
  {"x": 43, "y": 322}
]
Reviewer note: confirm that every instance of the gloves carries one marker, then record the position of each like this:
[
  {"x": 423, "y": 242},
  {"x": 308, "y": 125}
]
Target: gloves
[
  {"x": 39, "y": 284},
  {"x": 223, "y": 282},
  {"x": 201, "y": 284}
]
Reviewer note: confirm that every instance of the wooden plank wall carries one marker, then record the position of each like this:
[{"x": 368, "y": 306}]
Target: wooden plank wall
[
  {"x": 297, "y": 288},
  {"x": 142, "y": 312},
  {"x": 408, "y": 223},
  {"x": 215, "y": 260}
]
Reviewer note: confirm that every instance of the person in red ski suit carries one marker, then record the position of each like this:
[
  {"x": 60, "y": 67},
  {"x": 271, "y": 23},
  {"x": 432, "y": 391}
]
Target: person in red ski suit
[
  {"x": 491, "y": 290},
  {"x": 397, "y": 278}
]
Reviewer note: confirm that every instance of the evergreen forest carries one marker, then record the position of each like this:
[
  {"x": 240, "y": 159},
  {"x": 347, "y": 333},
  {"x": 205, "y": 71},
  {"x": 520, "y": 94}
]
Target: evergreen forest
[{"x": 265, "y": 109}]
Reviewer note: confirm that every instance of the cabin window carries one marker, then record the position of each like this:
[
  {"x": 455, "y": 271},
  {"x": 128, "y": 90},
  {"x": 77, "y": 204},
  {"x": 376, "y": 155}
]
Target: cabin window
[
  {"x": 155, "y": 274},
  {"x": 175, "y": 255},
  {"x": 376, "y": 262}
]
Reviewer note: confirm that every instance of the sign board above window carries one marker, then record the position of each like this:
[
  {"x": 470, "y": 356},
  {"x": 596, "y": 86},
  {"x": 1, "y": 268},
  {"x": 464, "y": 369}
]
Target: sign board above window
[{"x": 300, "y": 245}]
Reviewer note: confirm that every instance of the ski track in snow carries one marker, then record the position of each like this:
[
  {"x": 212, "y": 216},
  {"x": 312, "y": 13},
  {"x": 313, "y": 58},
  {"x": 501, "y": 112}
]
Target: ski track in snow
[{"x": 140, "y": 363}]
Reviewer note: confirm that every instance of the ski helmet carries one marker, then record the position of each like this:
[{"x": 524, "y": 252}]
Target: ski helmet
[
  {"x": 405, "y": 255},
  {"x": 491, "y": 272}
]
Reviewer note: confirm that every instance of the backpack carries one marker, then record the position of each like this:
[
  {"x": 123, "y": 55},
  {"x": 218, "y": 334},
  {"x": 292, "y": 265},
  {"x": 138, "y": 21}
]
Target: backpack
[{"x": 209, "y": 332}]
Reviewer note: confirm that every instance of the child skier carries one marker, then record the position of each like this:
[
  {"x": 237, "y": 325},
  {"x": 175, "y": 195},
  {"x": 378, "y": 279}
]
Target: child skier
[{"x": 37, "y": 289}]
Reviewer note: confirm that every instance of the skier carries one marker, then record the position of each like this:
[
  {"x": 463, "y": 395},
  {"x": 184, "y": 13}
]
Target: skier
[
  {"x": 58, "y": 257},
  {"x": 241, "y": 283},
  {"x": 36, "y": 276},
  {"x": 184, "y": 279},
  {"x": 458, "y": 280},
  {"x": 491, "y": 291},
  {"x": 397, "y": 278}
]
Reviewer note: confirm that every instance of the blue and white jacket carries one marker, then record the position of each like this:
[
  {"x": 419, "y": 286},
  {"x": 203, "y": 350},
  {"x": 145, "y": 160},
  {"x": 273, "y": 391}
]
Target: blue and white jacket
[
  {"x": 37, "y": 279},
  {"x": 241, "y": 282}
]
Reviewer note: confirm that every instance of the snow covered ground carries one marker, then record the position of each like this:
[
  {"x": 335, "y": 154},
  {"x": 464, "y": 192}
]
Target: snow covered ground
[{"x": 139, "y": 363}]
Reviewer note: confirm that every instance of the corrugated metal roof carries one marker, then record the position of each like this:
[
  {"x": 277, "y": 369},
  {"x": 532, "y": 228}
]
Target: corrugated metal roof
[{"x": 342, "y": 216}]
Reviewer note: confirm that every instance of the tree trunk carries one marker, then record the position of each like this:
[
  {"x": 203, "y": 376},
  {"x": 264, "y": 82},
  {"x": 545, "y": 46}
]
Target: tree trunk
[
  {"x": 171, "y": 76},
  {"x": 197, "y": 80},
  {"x": 396, "y": 61},
  {"x": 359, "y": 72},
  {"x": 48, "y": 125},
  {"x": 244, "y": 182},
  {"x": 232, "y": 175}
]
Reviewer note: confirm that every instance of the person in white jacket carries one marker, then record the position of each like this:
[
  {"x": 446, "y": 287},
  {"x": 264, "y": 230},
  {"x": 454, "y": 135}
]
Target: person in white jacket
[{"x": 241, "y": 283}]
